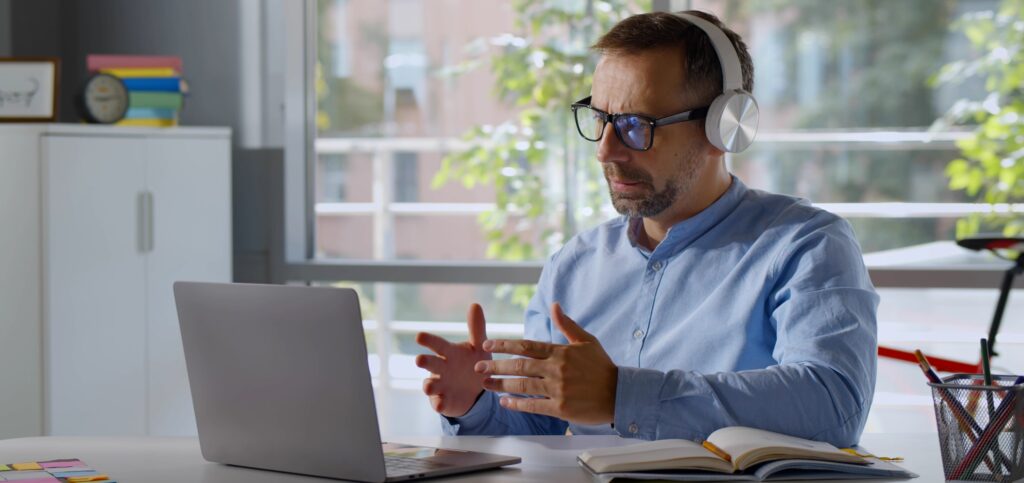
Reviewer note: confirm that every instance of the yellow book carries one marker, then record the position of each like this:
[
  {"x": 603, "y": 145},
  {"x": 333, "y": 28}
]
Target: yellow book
[
  {"x": 128, "y": 72},
  {"x": 147, "y": 122}
]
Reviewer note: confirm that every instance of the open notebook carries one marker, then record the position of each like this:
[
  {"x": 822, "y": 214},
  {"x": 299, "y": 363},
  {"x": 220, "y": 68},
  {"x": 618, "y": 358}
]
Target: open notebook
[{"x": 735, "y": 453}]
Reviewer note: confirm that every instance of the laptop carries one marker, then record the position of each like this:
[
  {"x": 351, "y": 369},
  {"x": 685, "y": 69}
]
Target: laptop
[{"x": 280, "y": 381}]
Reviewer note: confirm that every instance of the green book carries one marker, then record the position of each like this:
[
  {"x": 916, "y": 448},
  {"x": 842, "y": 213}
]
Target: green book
[{"x": 155, "y": 100}]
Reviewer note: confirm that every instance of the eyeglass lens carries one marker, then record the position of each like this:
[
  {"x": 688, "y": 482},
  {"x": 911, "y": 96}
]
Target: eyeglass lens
[
  {"x": 590, "y": 123},
  {"x": 634, "y": 132}
]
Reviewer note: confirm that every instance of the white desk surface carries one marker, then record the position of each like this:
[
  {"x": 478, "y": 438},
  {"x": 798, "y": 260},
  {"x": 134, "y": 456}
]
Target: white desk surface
[{"x": 545, "y": 458}]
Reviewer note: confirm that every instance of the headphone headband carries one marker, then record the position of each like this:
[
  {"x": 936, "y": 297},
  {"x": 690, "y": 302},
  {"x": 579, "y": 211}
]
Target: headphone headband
[
  {"x": 732, "y": 72},
  {"x": 732, "y": 117}
]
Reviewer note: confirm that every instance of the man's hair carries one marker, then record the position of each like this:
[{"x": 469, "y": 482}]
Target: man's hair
[{"x": 701, "y": 67}]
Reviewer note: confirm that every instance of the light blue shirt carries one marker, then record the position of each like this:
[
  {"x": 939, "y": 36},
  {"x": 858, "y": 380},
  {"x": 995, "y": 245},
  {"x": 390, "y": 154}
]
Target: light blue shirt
[{"x": 758, "y": 312}]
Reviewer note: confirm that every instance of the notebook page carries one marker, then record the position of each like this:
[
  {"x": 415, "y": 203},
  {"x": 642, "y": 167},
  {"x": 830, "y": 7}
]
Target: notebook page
[
  {"x": 743, "y": 443},
  {"x": 647, "y": 454}
]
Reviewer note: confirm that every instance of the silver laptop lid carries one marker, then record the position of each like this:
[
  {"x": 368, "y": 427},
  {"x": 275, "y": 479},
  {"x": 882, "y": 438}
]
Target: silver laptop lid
[{"x": 279, "y": 378}]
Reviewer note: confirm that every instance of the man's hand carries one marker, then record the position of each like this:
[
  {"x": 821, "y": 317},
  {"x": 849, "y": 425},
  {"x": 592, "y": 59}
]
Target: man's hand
[
  {"x": 576, "y": 382},
  {"x": 453, "y": 386}
]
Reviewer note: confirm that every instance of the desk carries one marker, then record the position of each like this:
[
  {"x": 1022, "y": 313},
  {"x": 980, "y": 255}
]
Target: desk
[{"x": 545, "y": 458}]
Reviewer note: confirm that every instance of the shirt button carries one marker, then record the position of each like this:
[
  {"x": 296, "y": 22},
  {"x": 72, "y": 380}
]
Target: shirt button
[
  {"x": 657, "y": 265},
  {"x": 638, "y": 334},
  {"x": 633, "y": 428}
]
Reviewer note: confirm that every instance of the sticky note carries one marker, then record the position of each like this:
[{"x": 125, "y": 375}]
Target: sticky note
[
  {"x": 84, "y": 479},
  {"x": 61, "y": 463},
  {"x": 68, "y": 472},
  {"x": 29, "y": 476},
  {"x": 26, "y": 466},
  {"x": 69, "y": 468}
]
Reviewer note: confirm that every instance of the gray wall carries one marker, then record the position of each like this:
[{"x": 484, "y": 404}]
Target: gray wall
[
  {"x": 224, "y": 57},
  {"x": 204, "y": 33},
  {"x": 5, "y": 28}
]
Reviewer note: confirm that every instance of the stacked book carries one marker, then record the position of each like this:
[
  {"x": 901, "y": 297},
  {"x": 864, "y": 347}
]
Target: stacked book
[{"x": 156, "y": 90}]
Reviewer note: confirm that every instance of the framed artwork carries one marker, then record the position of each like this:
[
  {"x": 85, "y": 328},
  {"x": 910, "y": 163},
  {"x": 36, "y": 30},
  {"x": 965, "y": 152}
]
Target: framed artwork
[{"x": 28, "y": 89}]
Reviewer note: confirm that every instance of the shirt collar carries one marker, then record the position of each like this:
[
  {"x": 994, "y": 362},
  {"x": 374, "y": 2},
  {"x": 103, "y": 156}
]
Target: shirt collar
[{"x": 683, "y": 233}]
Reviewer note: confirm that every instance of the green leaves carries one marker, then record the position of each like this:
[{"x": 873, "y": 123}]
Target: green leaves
[
  {"x": 532, "y": 160},
  {"x": 992, "y": 167}
]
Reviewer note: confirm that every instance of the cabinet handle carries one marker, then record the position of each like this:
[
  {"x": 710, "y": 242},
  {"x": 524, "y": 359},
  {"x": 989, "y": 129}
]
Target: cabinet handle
[
  {"x": 150, "y": 221},
  {"x": 140, "y": 235}
]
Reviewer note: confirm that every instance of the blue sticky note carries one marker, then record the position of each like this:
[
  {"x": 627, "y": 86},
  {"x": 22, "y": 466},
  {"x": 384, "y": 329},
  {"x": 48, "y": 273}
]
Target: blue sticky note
[{"x": 69, "y": 472}]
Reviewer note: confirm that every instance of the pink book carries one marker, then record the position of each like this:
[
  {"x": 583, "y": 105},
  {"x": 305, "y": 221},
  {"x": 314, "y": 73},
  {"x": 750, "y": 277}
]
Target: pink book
[{"x": 95, "y": 62}]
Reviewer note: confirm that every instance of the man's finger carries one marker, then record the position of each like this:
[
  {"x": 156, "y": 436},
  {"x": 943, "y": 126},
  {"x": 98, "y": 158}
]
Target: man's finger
[
  {"x": 569, "y": 328},
  {"x": 513, "y": 367},
  {"x": 439, "y": 345},
  {"x": 530, "y": 405},
  {"x": 477, "y": 325},
  {"x": 528, "y": 348},
  {"x": 433, "y": 364},
  {"x": 437, "y": 402},
  {"x": 518, "y": 385},
  {"x": 430, "y": 387}
]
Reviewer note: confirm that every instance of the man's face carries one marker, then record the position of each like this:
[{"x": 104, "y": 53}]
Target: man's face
[{"x": 649, "y": 183}]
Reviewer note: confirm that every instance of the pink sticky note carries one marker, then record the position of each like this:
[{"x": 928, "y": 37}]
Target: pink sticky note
[{"x": 61, "y": 463}]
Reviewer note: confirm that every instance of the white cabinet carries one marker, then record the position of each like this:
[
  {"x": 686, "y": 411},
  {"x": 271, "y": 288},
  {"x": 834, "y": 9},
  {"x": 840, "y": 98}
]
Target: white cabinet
[{"x": 122, "y": 214}]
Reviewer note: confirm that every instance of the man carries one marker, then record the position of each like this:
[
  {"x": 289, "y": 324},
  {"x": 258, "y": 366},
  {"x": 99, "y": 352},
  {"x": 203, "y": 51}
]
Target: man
[{"x": 706, "y": 305}]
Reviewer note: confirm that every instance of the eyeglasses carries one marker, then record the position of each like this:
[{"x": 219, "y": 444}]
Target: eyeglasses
[{"x": 634, "y": 130}]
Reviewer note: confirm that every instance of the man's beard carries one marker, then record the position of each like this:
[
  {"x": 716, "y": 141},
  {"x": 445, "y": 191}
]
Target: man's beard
[{"x": 647, "y": 205}]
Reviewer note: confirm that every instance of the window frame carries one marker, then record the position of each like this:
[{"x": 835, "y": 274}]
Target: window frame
[{"x": 297, "y": 262}]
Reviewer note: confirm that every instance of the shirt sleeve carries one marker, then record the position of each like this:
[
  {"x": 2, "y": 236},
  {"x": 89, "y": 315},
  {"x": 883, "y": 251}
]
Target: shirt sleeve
[
  {"x": 822, "y": 307},
  {"x": 487, "y": 417}
]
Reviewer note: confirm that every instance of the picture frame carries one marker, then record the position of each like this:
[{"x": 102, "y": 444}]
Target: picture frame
[{"x": 29, "y": 89}]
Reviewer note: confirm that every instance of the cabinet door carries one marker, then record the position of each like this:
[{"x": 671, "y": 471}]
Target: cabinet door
[
  {"x": 94, "y": 286},
  {"x": 190, "y": 181}
]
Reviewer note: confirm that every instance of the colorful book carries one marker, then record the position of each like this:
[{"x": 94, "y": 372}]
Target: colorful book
[
  {"x": 150, "y": 113},
  {"x": 147, "y": 122},
  {"x": 95, "y": 62},
  {"x": 156, "y": 100},
  {"x": 132, "y": 72},
  {"x": 164, "y": 84}
]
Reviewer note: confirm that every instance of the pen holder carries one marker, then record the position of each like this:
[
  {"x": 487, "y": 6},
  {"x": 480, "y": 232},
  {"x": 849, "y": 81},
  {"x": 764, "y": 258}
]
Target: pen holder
[{"x": 981, "y": 428}]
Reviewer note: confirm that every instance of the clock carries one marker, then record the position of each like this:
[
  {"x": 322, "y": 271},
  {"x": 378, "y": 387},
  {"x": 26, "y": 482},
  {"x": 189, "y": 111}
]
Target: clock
[{"x": 103, "y": 99}]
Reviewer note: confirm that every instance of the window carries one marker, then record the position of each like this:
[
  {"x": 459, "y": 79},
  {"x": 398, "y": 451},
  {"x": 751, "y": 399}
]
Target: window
[
  {"x": 405, "y": 86},
  {"x": 407, "y": 179},
  {"x": 332, "y": 178}
]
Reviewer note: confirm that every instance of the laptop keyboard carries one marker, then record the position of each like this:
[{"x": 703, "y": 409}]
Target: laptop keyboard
[{"x": 400, "y": 465}]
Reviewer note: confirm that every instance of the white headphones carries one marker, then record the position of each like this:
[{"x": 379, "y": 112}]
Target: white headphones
[{"x": 731, "y": 123}]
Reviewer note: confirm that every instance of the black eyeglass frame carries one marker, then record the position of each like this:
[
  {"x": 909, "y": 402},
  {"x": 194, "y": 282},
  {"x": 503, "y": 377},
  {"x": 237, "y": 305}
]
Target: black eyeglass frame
[{"x": 691, "y": 115}]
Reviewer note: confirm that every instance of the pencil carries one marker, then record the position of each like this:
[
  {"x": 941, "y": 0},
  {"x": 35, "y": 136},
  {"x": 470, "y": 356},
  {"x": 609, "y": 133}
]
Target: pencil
[
  {"x": 963, "y": 418},
  {"x": 986, "y": 367},
  {"x": 995, "y": 426},
  {"x": 716, "y": 450}
]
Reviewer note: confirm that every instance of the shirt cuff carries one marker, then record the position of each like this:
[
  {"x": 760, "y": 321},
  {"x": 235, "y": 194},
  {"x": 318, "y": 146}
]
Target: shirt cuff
[
  {"x": 636, "y": 402},
  {"x": 477, "y": 415}
]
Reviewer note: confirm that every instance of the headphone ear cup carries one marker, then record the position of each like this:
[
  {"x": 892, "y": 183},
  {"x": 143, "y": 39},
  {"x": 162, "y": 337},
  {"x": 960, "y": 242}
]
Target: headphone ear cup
[{"x": 732, "y": 121}]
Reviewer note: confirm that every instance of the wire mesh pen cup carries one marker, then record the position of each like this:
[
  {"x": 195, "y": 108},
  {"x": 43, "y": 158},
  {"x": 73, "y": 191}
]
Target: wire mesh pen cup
[{"x": 981, "y": 428}]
